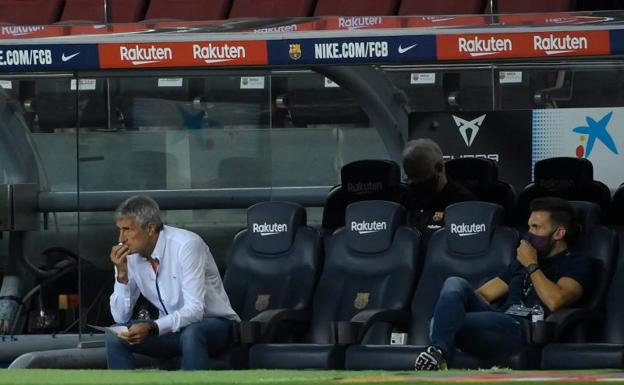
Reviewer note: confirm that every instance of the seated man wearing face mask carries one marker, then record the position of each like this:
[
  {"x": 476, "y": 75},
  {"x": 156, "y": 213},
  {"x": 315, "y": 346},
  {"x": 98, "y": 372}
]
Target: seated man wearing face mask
[
  {"x": 429, "y": 189},
  {"x": 545, "y": 274}
]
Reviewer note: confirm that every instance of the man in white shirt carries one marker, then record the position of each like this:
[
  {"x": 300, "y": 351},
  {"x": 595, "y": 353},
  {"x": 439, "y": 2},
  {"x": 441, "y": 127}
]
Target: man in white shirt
[{"x": 174, "y": 270}]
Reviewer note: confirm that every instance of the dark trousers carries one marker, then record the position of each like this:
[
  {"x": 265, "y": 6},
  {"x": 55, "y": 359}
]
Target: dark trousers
[
  {"x": 195, "y": 343},
  {"x": 465, "y": 320}
]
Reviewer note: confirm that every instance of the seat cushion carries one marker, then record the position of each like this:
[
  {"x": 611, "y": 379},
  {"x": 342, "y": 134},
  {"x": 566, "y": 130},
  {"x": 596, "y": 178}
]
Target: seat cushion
[
  {"x": 382, "y": 357},
  {"x": 583, "y": 356},
  {"x": 296, "y": 356}
]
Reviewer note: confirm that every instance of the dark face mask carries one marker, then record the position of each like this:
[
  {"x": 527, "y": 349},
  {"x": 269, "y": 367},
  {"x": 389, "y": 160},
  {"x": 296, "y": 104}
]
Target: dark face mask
[
  {"x": 424, "y": 189},
  {"x": 543, "y": 244}
]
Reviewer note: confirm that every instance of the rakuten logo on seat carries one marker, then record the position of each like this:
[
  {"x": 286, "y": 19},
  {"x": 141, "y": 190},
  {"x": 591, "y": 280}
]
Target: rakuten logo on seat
[
  {"x": 368, "y": 227},
  {"x": 138, "y": 55},
  {"x": 269, "y": 229},
  {"x": 476, "y": 46},
  {"x": 216, "y": 53},
  {"x": 465, "y": 230},
  {"x": 552, "y": 45},
  {"x": 364, "y": 188}
]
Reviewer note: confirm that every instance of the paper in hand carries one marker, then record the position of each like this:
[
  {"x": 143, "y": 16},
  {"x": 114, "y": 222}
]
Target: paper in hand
[{"x": 112, "y": 329}]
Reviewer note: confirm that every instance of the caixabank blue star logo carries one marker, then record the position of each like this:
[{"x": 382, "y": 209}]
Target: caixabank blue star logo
[{"x": 594, "y": 130}]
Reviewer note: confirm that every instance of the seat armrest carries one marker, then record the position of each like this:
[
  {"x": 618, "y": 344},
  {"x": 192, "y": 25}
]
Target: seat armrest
[
  {"x": 259, "y": 327},
  {"x": 565, "y": 318},
  {"x": 382, "y": 315},
  {"x": 278, "y": 315},
  {"x": 354, "y": 330}
]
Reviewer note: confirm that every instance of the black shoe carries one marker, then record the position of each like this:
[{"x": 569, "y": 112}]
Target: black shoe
[{"x": 431, "y": 359}]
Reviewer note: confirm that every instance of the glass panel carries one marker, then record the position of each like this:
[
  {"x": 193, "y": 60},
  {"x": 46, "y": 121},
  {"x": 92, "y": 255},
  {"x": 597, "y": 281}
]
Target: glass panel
[
  {"x": 38, "y": 143},
  {"x": 560, "y": 86},
  {"x": 575, "y": 112},
  {"x": 169, "y": 134},
  {"x": 317, "y": 127},
  {"x": 449, "y": 88}
]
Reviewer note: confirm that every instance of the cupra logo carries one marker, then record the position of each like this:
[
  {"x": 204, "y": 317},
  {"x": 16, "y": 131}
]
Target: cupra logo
[
  {"x": 469, "y": 129},
  {"x": 592, "y": 131}
]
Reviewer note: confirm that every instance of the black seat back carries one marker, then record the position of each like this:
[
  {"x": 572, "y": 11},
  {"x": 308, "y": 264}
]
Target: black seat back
[
  {"x": 613, "y": 329},
  {"x": 616, "y": 213},
  {"x": 369, "y": 264},
  {"x": 563, "y": 177},
  {"x": 473, "y": 246},
  {"x": 480, "y": 176},
  {"x": 274, "y": 262},
  {"x": 368, "y": 179},
  {"x": 599, "y": 243}
]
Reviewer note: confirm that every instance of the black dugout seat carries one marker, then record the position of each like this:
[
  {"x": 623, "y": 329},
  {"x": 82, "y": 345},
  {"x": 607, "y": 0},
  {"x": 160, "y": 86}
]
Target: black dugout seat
[
  {"x": 616, "y": 213},
  {"x": 368, "y": 179},
  {"x": 477, "y": 258},
  {"x": 600, "y": 343},
  {"x": 564, "y": 177},
  {"x": 480, "y": 176},
  {"x": 273, "y": 267},
  {"x": 367, "y": 281},
  {"x": 598, "y": 242}
]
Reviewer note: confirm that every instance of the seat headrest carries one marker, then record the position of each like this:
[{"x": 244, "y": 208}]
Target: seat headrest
[
  {"x": 370, "y": 225},
  {"x": 476, "y": 174},
  {"x": 563, "y": 173},
  {"x": 470, "y": 225},
  {"x": 587, "y": 213},
  {"x": 272, "y": 225},
  {"x": 370, "y": 177}
]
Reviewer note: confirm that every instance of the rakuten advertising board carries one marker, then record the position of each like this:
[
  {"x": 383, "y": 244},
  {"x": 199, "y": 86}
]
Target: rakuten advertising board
[
  {"x": 184, "y": 54},
  {"x": 517, "y": 45}
]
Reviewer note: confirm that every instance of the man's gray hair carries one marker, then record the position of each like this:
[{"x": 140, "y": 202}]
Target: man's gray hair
[
  {"x": 142, "y": 209},
  {"x": 421, "y": 157}
]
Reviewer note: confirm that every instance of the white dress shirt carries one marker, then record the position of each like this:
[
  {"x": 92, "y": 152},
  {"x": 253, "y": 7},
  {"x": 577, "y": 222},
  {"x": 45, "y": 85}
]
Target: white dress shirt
[{"x": 185, "y": 288}]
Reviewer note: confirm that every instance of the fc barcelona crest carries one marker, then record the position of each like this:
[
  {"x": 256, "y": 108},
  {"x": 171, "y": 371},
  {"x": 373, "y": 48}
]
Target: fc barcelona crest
[
  {"x": 294, "y": 51},
  {"x": 361, "y": 300},
  {"x": 438, "y": 216},
  {"x": 262, "y": 302}
]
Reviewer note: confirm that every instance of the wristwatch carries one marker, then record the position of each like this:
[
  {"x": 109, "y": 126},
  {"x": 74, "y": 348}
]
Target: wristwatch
[
  {"x": 153, "y": 331},
  {"x": 532, "y": 268}
]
